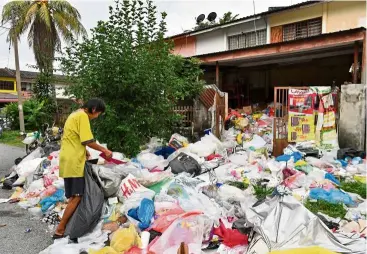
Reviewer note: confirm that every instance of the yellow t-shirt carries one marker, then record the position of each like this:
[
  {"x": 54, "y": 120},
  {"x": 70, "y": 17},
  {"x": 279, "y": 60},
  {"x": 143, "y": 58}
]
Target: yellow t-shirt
[{"x": 77, "y": 134}]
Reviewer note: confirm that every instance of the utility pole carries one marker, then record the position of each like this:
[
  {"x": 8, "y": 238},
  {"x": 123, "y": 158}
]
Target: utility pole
[{"x": 17, "y": 76}]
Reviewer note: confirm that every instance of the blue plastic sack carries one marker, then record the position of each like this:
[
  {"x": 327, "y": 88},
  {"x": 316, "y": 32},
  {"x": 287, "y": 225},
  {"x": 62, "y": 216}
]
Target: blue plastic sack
[
  {"x": 332, "y": 178},
  {"x": 144, "y": 213},
  {"x": 285, "y": 157},
  {"x": 333, "y": 196},
  {"x": 165, "y": 151},
  {"x": 47, "y": 202}
]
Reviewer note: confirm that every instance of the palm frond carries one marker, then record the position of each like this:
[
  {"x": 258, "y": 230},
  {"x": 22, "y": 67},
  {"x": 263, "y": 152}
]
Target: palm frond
[{"x": 44, "y": 15}]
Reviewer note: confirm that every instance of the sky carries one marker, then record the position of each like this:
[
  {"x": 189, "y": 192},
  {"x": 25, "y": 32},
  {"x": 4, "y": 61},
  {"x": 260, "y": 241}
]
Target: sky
[{"x": 181, "y": 16}]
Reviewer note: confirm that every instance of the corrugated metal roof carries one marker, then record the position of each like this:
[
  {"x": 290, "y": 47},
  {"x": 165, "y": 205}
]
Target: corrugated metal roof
[
  {"x": 10, "y": 73},
  {"x": 265, "y": 13}
]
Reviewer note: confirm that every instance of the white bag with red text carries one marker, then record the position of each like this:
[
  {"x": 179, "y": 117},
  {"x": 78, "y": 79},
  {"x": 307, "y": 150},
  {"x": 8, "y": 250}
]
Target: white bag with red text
[{"x": 131, "y": 192}]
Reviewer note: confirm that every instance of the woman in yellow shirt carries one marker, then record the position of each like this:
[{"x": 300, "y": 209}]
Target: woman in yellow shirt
[{"x": 73, "y": 155}]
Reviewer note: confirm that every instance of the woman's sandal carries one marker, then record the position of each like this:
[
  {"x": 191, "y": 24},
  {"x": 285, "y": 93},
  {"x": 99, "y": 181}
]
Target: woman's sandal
[{"x": 55, "y": 236}]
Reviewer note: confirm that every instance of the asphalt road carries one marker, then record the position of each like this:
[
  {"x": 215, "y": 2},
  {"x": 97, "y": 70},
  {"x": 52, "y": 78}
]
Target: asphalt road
[{"x": 13, "y": 238}]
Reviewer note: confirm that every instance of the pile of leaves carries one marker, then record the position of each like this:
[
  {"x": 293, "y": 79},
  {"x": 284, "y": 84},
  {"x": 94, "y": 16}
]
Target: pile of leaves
[{"x": 128, "y": 63}]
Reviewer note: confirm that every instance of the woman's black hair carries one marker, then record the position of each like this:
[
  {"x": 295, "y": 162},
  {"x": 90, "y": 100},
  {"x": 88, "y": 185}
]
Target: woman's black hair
[{"x": 95, "y": 104}]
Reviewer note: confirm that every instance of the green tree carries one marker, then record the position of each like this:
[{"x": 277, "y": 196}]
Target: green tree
[
  {"x": 128, "y": 63},
  {"x": 228, "y": 17},
  {"x": 48, "y": 22}
]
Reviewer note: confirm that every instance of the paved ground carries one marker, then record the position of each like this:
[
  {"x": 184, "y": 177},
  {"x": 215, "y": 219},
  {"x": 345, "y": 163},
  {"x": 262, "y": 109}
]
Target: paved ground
[{"x": 13, "y": 239}]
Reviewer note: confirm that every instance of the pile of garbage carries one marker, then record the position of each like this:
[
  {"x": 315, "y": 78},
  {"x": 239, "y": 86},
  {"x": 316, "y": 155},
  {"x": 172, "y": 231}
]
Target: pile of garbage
[{"x": 203, "y": 197}]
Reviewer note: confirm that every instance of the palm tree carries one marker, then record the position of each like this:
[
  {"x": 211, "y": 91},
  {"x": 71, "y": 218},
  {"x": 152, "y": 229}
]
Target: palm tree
[
  {"x": 48, "y": 23},
  {"x": 227, "y": 17}
]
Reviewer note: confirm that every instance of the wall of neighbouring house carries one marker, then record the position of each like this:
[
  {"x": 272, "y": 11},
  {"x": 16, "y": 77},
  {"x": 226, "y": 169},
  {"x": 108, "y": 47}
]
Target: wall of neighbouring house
[
  {"x": 344, "y": 15},
  {"x": 217, "y": 40},
  {"x": 295, "y": 15},
  {"x": 184, "y": 46}
]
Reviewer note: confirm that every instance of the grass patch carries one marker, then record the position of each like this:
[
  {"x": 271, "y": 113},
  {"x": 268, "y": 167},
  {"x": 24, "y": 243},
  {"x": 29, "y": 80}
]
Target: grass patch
[
  {"x": 354, "y": 187},
  {"x": 333, "y": 210},
  {"x": 11, "y": 138}
]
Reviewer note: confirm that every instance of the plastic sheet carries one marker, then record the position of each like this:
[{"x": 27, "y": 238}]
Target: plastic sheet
[{"x": 190, "y": 230}]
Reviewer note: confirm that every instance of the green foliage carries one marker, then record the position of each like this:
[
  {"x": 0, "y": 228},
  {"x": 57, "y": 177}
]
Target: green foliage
[
  {"x": 11, "y": 138},
  {"x": 239, "y": 185},
  {"x": 35, "y": 114},
  {"x": 262, "y": 191},
  {"x": 333, "y": 210},
  {"x": 128, "y": 63},
  {"x": 354, "y": 187}
]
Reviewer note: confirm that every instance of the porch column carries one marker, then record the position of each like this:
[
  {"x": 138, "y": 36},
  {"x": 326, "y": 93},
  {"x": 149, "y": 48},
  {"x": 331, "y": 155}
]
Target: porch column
[
  {"x": 217, "y": 73},
  {"x": 355, "y": 64},
  {"x": 363, "y": 68}
]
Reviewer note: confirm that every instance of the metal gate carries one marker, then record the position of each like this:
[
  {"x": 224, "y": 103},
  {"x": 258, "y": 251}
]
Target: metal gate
[{"x": 280, "y": 124}]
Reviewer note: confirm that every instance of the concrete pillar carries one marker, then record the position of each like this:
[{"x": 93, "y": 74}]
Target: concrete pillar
[{"x": 324, "y": 17}]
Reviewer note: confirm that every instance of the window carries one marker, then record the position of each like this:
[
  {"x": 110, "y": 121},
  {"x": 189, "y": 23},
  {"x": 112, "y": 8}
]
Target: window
[
  {"x": 302, "y": 29},
  {"x": 26, "y": 86},
  {"x": 6, "y": 85},
  {"x": 247, "y": 40}
]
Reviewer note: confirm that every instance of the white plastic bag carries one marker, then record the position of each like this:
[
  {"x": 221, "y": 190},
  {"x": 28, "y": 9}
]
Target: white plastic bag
[
  {"x": 131, "y": 192},
  {"x": 25, "y": 168},
  {"x": 152, "y": 161},
  {"x": 256, "y": 142}
]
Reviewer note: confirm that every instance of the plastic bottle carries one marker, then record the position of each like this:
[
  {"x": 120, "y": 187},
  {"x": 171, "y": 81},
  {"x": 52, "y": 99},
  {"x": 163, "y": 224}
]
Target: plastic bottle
[{"x": 145, "y": 235}]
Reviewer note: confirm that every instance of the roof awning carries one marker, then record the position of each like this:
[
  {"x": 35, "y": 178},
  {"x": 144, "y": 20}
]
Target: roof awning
[{"x": 323, "y": 45}]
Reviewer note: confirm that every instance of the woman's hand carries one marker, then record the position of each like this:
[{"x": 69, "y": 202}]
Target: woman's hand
[
  {"x": 88, "y": 155},
  {"x": 107, "y": 153}
]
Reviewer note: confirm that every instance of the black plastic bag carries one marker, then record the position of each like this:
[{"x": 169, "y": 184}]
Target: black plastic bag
[
  {"x": 88, "y": 213},
  {"x": 185, "y": 163},
  {"x": 350, "y": 152}
]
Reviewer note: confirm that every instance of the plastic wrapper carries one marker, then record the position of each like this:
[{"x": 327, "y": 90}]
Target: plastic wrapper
[
  {"x": 123, "y": 239},
  {"x": 230, "y": 237},
  {"x": 333, "y": 196},
  {"x": 240, "y": 159},
  {"x": 188, "y": 230},
  {"x": 256, "y": 142},
  {"x": 320, "y": 163}
]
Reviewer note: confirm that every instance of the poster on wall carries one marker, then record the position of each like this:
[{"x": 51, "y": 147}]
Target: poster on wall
[
  {"x": 301, "y": 101},
  {"x": 301, "y": 126}
]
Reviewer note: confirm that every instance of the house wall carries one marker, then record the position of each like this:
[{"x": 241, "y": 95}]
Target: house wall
[
  {"x": 8, "y": 79},
  {"x": 185, "y": 46},
  {"x": 217, "y": 40},
  {"x": 344, "y": 15},
  {"x": 296, "y": 15}
]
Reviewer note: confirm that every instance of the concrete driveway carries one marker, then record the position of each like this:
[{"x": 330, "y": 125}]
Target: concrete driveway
[{"x": 13, "y": 238}]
